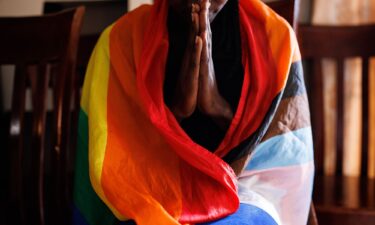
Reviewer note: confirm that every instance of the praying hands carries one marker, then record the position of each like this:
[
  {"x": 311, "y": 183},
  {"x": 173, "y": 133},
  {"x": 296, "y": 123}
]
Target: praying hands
[{"x": 197, "y": 87}]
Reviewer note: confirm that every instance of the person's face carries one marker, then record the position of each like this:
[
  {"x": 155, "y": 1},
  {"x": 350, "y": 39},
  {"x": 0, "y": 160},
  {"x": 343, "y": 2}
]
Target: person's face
[{"x": 183, "y": 7}]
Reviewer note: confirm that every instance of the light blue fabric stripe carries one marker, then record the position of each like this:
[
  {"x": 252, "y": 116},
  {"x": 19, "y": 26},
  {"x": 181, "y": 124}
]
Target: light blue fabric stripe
[
  {"x": 246, "y": 215},
  {"x": 292, "y": 148}
]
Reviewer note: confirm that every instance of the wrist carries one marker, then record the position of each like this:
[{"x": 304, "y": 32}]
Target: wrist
[{"x": 220, "y": 111}]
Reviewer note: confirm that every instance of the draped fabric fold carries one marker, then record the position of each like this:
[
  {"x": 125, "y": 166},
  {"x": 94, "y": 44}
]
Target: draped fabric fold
[{"x": 136, "y": 162}]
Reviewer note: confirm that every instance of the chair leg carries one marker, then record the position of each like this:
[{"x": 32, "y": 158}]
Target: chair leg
[{"x": 312, "y": 216}]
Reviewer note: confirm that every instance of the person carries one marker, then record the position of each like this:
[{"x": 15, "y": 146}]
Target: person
[{"x": 195, "y": 112}]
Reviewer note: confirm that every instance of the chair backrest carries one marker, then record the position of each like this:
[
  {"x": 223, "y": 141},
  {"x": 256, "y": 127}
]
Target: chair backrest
[
  {"x": 43, "y": 50},
  {"x": 338, "y": 43},
  {"x": 288, "y": 9}
]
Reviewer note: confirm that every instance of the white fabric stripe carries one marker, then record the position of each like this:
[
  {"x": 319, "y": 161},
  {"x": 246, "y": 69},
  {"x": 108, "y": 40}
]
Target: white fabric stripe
[
  {"x": 283, "y": 192},
  {"x": 250, "y": 197}
]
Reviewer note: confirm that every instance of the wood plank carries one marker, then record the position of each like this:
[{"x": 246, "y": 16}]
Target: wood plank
[
  {"x": 365, "y": 114},
  {"x": 371, "y": 143},
  {"x": 330, "y": 116},
  {"x": 340, "y": 114},
  {"x": 352, "y": 138}
]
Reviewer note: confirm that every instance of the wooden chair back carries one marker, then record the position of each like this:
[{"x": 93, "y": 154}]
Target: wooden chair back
[
  {"x": 288, "y": 9},
  {"x": 339, "y": 43},
  {"x": 43, "y": 50},
  {"x": 339, "y": 199}
]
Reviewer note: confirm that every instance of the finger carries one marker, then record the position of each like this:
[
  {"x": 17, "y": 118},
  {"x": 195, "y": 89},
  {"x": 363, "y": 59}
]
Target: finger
[
  {"x": 195, "y": 18},
  {"x": 205, "y": 49},
  {"x": 191, "y": 61},
  {"x": 190, "y": 48},
  {"x": 195, "y": 59},
  {"x": 195, "y": 8},
  {"x": 195, "y": 23},
  {"x": 203, "y": 15},
  {"x": 194, "y": 30},
  {"x": 189, "y": 83}
]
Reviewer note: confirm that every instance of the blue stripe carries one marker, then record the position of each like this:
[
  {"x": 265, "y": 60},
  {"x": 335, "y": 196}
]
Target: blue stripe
[
  {"x": 246, "y": 215},
  {"x": 292, "y": 148},
  {"x": 78, "y": 219}
]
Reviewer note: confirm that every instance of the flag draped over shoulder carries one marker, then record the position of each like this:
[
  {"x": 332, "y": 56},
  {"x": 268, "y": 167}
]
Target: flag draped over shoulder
[{"x": 134, "y": 161}]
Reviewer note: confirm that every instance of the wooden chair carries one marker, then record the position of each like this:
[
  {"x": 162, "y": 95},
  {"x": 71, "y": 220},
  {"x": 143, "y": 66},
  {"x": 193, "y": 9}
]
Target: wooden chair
[
  {"x": 98, "y": 16},
  {"x": 43, "y": 50},
  {"x": 339, "y": 199}
]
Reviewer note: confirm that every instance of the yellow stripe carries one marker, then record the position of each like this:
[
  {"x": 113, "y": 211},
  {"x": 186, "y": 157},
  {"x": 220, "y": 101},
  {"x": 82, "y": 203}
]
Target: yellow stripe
[{"x": 95, "y": 106}]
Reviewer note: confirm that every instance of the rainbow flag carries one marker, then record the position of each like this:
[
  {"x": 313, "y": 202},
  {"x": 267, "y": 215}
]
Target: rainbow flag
[{"x": 135, "y": 162}]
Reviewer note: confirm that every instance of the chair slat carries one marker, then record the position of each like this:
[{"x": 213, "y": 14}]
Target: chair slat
[
  {"x": 340, "y": 114},
  {"x": 317, "y": 114},
  {"x": 32, "y": 71},
  {"x": 365, "y": 115},
  {"x": 61, "y": 117},
  {"x": 371, "y": 193},
  {"x": 39, "y": 117},
  {"x": 16, "y": 144},
  {"x": 371, "y": 123}
]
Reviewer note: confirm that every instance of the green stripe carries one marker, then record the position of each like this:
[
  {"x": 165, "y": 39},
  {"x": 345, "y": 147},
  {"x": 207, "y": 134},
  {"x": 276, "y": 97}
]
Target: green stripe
[{"x": 86, "y": 200}]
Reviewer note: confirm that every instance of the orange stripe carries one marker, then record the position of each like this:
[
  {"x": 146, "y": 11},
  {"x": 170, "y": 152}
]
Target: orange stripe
[{"x": 140, "y": 173}]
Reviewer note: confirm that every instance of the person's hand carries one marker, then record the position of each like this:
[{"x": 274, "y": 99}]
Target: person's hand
[
  {"x": 186, "y": 92},
  {"x": 196, "y": 86},
  {"x": 209, "y": 101}
]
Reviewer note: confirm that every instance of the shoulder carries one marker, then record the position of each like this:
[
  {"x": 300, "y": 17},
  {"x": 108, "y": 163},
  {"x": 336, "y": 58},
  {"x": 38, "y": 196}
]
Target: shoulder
[
  {"x": 263, "y": 17},
  {"x": 273, "y": 27},
  {"x": 127, "y": 32}
]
